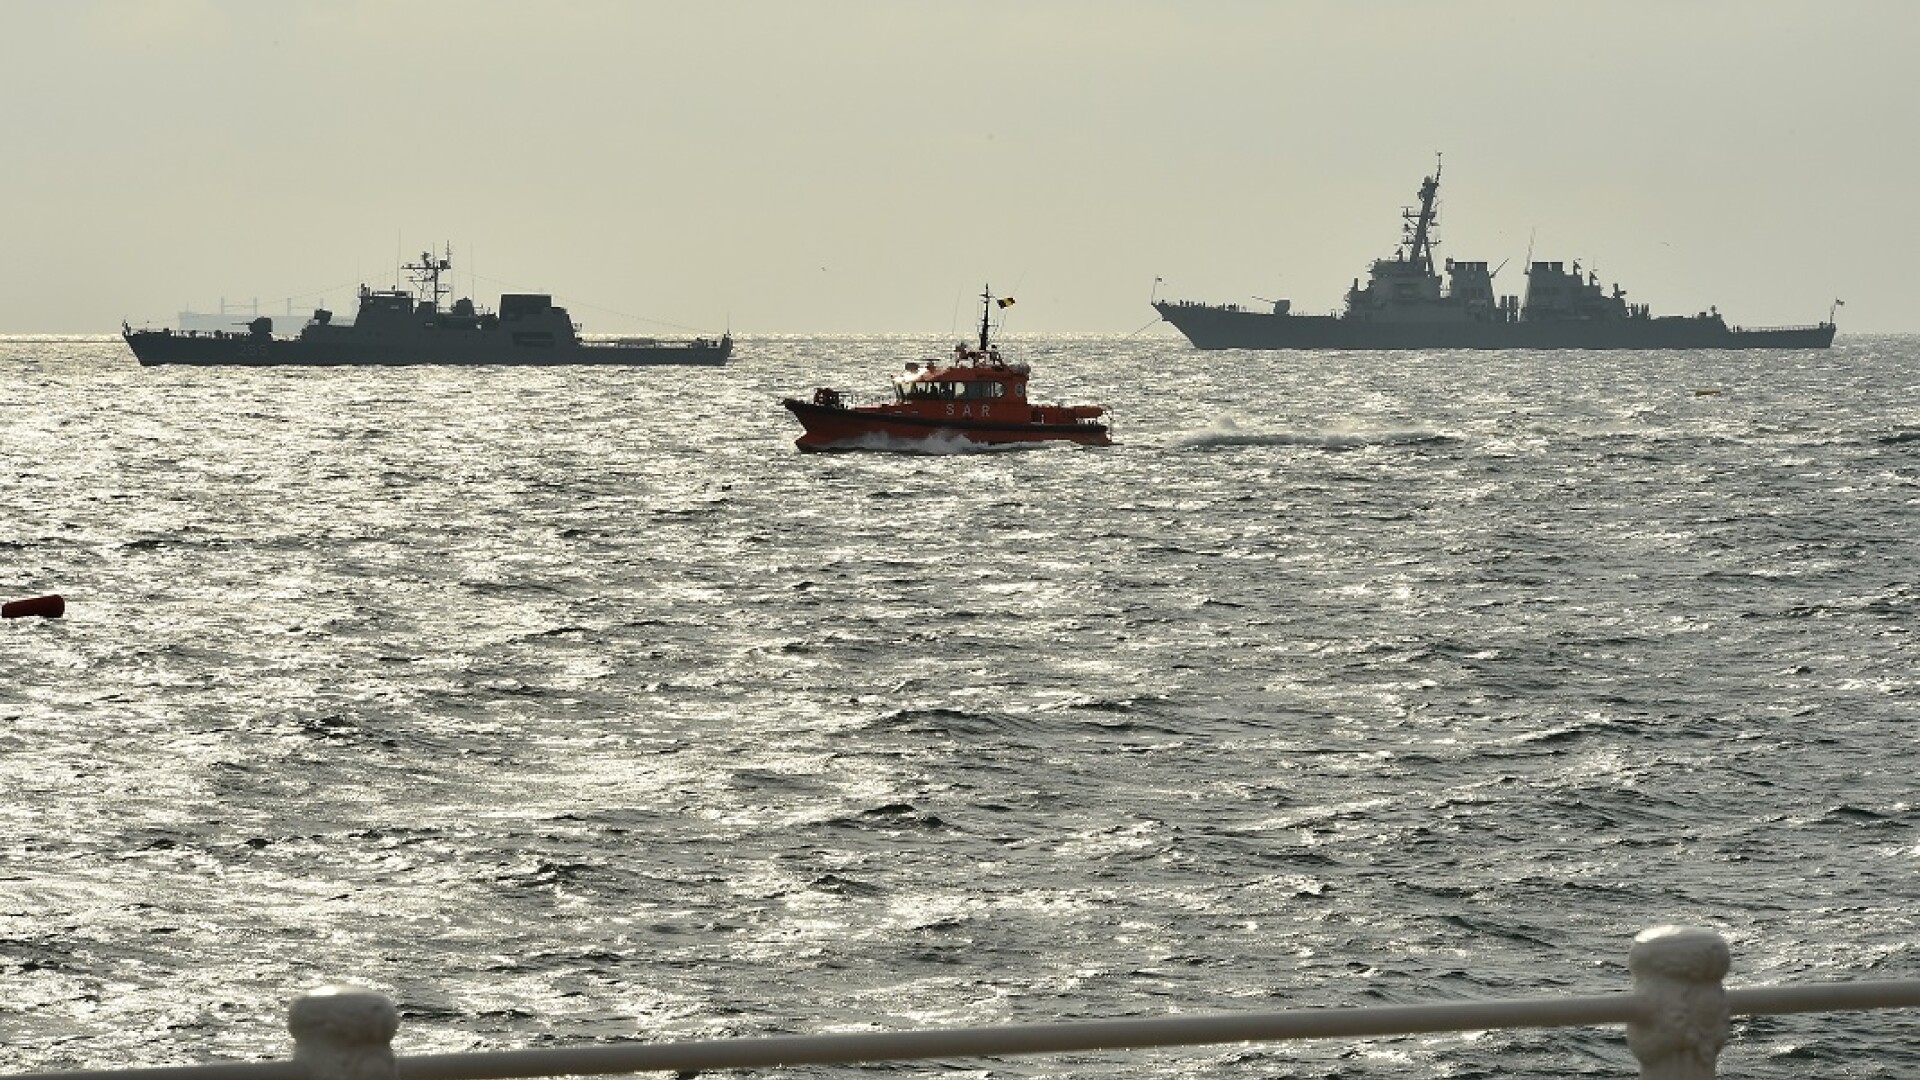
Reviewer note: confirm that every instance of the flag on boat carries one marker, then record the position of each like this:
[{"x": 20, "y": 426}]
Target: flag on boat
[{"x": 1005, "y": 301}]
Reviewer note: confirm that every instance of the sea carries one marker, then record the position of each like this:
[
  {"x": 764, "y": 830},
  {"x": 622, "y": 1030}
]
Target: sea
[{"x": 574, "y": 705}]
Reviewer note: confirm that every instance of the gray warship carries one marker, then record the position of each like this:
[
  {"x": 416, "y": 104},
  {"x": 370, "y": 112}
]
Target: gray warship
[
  {"x": 1405, "y": 306},
  {"x": 397, "y": 327}
]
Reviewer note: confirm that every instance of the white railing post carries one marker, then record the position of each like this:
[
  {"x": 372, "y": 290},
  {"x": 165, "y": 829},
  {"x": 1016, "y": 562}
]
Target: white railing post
[
  {"x": 344, "y": 1033},
  {"x": 1677, "y": 972}
]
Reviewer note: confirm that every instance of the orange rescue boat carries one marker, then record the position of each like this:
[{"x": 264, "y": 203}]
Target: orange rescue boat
[{"x": 973, "y": 395}]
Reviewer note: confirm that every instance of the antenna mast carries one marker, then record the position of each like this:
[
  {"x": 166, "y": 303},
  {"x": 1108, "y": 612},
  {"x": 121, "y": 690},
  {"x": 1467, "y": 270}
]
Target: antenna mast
[{"x": 1420, "y": 223}]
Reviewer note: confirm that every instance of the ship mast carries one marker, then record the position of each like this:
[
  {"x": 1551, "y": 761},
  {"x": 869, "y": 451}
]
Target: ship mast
[
  {"x": 426, "y": 275},
  {"x": 1420, "y": 243},
  {"x": 986, "y": 312}
]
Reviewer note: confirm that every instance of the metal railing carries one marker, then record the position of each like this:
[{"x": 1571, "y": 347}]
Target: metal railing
[{"x": 1677, "y": 1018}]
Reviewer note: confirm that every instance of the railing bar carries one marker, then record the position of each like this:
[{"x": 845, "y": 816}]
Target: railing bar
[
  {"x": 1827, "y": 997},
  {"x": 1026, "y": 1039},
  {"x": 233, "y": 1070},
  {"x": 1119, "y": 1034},
  {"x": 762, "y": 1052}
]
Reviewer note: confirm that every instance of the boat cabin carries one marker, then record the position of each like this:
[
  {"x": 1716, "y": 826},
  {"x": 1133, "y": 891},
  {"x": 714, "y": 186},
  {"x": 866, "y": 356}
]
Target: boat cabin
[{"x": 969, "y": 375}]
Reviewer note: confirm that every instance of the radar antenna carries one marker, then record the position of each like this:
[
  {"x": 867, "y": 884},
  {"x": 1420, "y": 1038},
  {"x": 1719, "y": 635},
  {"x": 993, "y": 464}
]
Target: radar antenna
[{"x": 425, "y": 275}]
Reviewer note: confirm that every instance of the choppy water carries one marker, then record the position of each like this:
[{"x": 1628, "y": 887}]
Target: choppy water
[{"x": 567, "y": 705}]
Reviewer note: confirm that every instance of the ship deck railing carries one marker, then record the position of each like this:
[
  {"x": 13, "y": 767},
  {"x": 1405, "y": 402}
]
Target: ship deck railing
[
  {"x": 1677, "y": 1019},
  {"x": 1795, "y": 328}
]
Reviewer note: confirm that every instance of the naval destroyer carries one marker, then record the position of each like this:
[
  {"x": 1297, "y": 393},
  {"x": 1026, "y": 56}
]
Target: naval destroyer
[
  {"x": 1404, "y": 305},
  {"x": 396, "y": 326}
]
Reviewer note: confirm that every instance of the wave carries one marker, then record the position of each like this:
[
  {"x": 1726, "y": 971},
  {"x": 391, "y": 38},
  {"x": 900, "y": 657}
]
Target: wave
[
  {"x": 1226, "y": 432},
  {"x": 888, "y": 817},
  {"x": 945, "y": 721}
]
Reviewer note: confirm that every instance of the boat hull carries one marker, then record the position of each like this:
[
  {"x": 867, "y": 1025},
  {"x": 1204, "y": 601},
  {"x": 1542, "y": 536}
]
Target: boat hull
[
  {"x": 834, "y": 427},
  {"x": 1212, "y": 327},
  {"x": 153, "y": 347}
]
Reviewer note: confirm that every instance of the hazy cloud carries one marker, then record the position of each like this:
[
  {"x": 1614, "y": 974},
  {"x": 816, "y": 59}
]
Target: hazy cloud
[{"x": 853, "y": 166}]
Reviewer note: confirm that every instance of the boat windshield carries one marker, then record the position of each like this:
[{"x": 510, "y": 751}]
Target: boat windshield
[{"x": 951, "y": 391}]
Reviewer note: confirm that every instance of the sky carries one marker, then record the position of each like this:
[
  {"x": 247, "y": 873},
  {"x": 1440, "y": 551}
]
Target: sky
[{"x": 868, "y": 166}]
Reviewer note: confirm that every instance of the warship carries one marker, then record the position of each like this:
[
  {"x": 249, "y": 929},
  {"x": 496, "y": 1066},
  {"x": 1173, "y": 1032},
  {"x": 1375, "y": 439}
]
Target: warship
[
  {"x": 397, "y": 326},
  {"x": 1404, "y": 305}
]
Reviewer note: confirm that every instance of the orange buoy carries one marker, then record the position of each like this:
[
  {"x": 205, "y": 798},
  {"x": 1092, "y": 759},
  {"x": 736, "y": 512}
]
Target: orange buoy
[{"x": 48, "y": 607}]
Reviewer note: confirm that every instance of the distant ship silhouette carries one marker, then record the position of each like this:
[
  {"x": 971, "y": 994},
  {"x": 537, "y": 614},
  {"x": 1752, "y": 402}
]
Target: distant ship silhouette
[
  {"x": 1403, "y": 306},
  {"x": 394, "y": 327}
]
